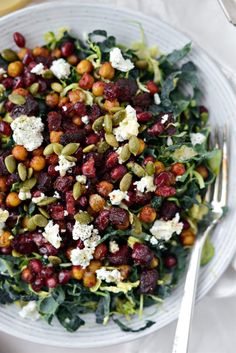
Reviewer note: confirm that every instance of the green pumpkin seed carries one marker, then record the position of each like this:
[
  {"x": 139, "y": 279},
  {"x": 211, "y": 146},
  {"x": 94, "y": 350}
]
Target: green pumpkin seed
[
  {"x": 136, "y": 169},
  {"x": 142, "y": 128},
  {"x": 47, "y": 74},
  {"x": 77, "y": 190},
  {"x": 126, "y": 182},
  {"x": 118, "y": 117},
  {"x": 57, "y": 148},
  {"x": 31, "y": 224},
  {"x": 30, "y": 183},
  {"x": 16, "y": 98},
  {"x": 40, "y": 220},
  {"x": 108, "y": 124},
  {"x": 10, "y": 163},
  {"x": 71, "y": 159},
  {"x": 43, "y": 212},
  {"x": 48, "y": 150},
  {"x": 111, "y": 140},
  {"x": 22, "y": 171},
  {"x": 83, "y": 217},
  {"x": 30, "y": 172},
  {"x": 134, "y": 145},
  {"x": 55, "y": 260},
  {"x": 69, "y": 149},
  {"x": 25, "y": 207},
  {"x": 98, "y": 124},
  {"x": 99, "y": 101},
  {"x": 150, "y": 168},
  {"x": 2, "y": 108},
  {"x": 34, "y": 88},
  {"x": 102, "y": 147},
  {"x": 89, "y": 148},
  {"x": 47, "y": 201},
  {"x": 115, "y": 109},
  {"x": 125, "y": 153},
  {"x": 9, "y": 55},
  {"x": 141, "y": 64},
  {"x": 136, "y": 226},
  {"x": 56, "y": 87}
]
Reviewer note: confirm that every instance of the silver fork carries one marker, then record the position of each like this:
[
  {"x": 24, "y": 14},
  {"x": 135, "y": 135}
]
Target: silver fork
[{"x": 217, "y": 196}]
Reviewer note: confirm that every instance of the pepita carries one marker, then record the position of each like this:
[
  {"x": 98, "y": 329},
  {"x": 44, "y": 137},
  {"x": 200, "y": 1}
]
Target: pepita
[
  {"x": 102, "y": 147},
  {"x": 98, "y": 124},
  {"x": 48, "y": 150},
  {"x": 77, "y": 190},
  {"x": 22, "y": 171},
  {"x": 108, "y": 124},
  {"x": 111, "y": 140},
  {"x": 47, "y": 201},
  {"x": 150, "y": 168},
  {"x": 141, "y": 64},
  {"x": 71, "y": 159},
  {"x": 69, "y": 149},
  {"x": 134, "y": 145},
  {"x": 34, "y": 88},
  {"x": 30, "y": 172},
  {"x": 16, "y": 98},
  {"x": 89, "y": 148},
  {"x": 118, "y": 117},
  {"x": 136, "y": 169},
  {"x": 9, "y": 55},
  {"x": 125, "y": 153},
  {"x": 47, "y": 74},
  {"x": 126, "y": 182},
  {"x": 31, "y": 224},
  {"x": 57, "y": 148},
  {"x": 10, "y": 163},
  {"x": 83, "y": 217},
  {"x": 56, "y": 87},
  {"x": 43, "y": 212},
  {"x": 136, "y": 226},
  {"x": 54, "y": 260},
  {"x": 40, "y": 220},
  {"x": 30, "y": 183}
]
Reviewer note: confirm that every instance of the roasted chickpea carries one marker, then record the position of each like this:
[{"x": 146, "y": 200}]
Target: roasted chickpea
[
  {"x": 141, "y": 146},
  {"x": 98, "y": 88},
  {"x": 154, "y": 263},
  {"x": 27, "y": 276},
  {"x": 94, "y": 266},
  {"x": 159, "y": 167},
  {"x": 187, "y": 237},
  {"x": 52, "y": 99},
  {"x": 56, "y": 53},
  {"x": 5, "y": 239},
  {"x": 104, "y": 188},
  {"x": 96, "y": 202},
  {"x": 38, "y": 163},
  {"x": 77, "y": 272},
  {"x": 55, "y": 136},
  {"x": 178, "y": 168},
  {"x": 125, "y": 271},
  {"x": 107, "y": 71},
  {"x": 38, "y": 151},
  {"x": 15, "y": 68},
  {"x": 20, "y": 153},
  {"x": 76, "y": 95},
  {"x": 21, "y": 53},
  {"x": 12, "y": 199},
  {"x": 89, "y": 279},
  {"x": 86, "y": 81},
  {"x": 3, "y": 185},
  {"x": 147, "y": 214},
  {"x": 62, "y": 101},
  {"x": 40, "y": 51},
  {"x": 202, "y": 170},
  {"x": 109, "y": 105},
  {"x": 77, "y": 120},
  {"x": 84, "y": 66},
  {"x": 73, "y": 59}
]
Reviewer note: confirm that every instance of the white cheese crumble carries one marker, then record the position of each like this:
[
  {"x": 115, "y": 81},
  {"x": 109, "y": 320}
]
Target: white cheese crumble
[
  {"x": 92, "y": 241},
  {"x": 27, "y": 131},
  {"x": 60, "y": 68},
  {"x": 153, "y": 240},
  {"x": 184, "y": 153},
  {"x": 197, "y": 138},
  {"x": 116, "y": 196},
  {"x": 56, "y": 194},
  {"x": 66, "y": 213},
  {"x": 82, "y": 179},
  {"x": 2, "y": 71},
  {"x": 169, "y": 141},
  {"x": 81, "y": 257},
  {"x": 29, "y": 311},
  {"x": 24, "y": 194},
  {"x": 37, "y": 199},
  {"x": 118, "y": 151},
  {"x": 51, "y": 234},
  {"x": 165, "y": 229},
  {"x": 64, "y": 165},
  {"x": 4, "y": 214},
  {"x": 119, "y": 62},
  {"x": 113, "y": 246},
  {"x": 128, "y": 126},
  {"x": 82, "y": 231},
  {"x": 38, "y": 69},
  {"x": 157, "y": 99},
  {"x": 85, "y": 119},
  {"x": 146, "y": 184},
  {"x": 164, "y": 118},
  {"x": 108, "y": 275}
]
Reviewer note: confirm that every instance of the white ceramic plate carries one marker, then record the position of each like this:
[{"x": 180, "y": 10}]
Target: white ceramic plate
[{"x": 218, "y": 96}]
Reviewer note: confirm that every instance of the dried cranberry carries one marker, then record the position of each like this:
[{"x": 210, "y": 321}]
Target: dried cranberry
[
  {"x": 6, "y": 250},
  {"x": 88, "y": 168},
  {"x": 170, "y": 261},
  {"x": 165, "y": 191},
  {"x": 102, "y": 220},
  {"x": 8, "y": 82},
  {"x": 141, "y": 254},
  {"x": 63, "y": 184},
  {"x": 148, "y": 159},
  {"x": 30, "y": 108},
  {"x": 38, "y": 239},
  {"x": 29, "y": 79},
  {"x": 142, "y": 100},
  {"x": 82, "y": 201},
  {"x": 126, "y": 89},
  {"x": 138, "y": 198},
  {"x": 148, "y": 281},
  {"x": 54, "y": 121},
  {"x": 64, "y": 276},
  {"x": 111, "y": 160},
  {"x": 144, "y": 117},
  {"x": 118, "y": 172},
  {"x": 18, "y": 82},
  {"x": 44, "y": 182},
  {"x": 52, "y": 172},
  {"x": 92, "y": 139},
  {"x": 35, "y": 265},
  {"x": 152, "y": 87},
  {"x": 156, "y": 129},
  {"x": 118, "y": 216},
  {"x": 42, "y": 85},
  {"x": 67, "y": 48},
  {"x": 37, "y": 284},
  {"x": 120, "y": 257},
  {"x": 48, "y": 249},
  {"x": 203, "y": 109},
  {"x": 94, "y": 112},
  {"x": 52, "y": 159},
  {"x": 110, "y": 91},
  {"x": 47, "y": 271},
  {"x": 168, "y": 210},
  {"x": 67, "y": 109},
  {"x": 3, "y": 169},
  {"x": 77, "y": 137},
  {"x": 164, "y": 178},
  {"x": 100, "y": 251},
  {"x": 70, "y": 203},
  {"x": 19, "y": 39},
  {"x": 5, "y": 128},
  {"x": 51, "y": 282},
  {"x": 86, "y": 81},
  {"x": 57, "y": 212},
  {"x": 27, "y": 276},
  {"x": 80, "y": 109},
  {"x": 186, "y": 224},
  {"x": 28, "y": 58},
  {"x": 80, "y": 244},
  {"x": 9, "y": 106},
  {"x": 24, "y": 244}
]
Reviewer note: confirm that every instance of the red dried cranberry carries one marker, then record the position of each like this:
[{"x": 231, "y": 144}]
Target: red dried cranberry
[
  {"x": 57, "y": 212},
  {"x": 28, "y": 58},
  {"x": 80, "y": 244},
  {"x": 148, "y": 281},
  {"x": 102, "y": 220},
  {"x": 19, "y": 39},
  {"x": 45, "y": 182},
  {"x": 38, "y": 238},
  {"x": 70, "y": 203},
  {"x": 52, "y": 159},
  {"x": 29, "y": 79},
  {"x": 156, "y": 129},
  {"x": 54, "y": 121},
  {"x": 24, "y": 244},
  {"x": 8, "y": 82},
  {"x": 86, "y": 81},
  {"x": 118, "y": 216},
  {"x": 111, "y": 160},
  {"x": 94, "y": 112},
  {"x": 165, "y": 191},
  {"x": 120, "y": 257},
  {"x": 37, "y": 284},
  {"x": 82, "y": 201},
  {"x": 170, "y": 261},
  {"x": 141, "y": 254},
  {"x": 164, "y": 178},
  {"x": 100, "y": 251},
  {"x": 118, "y": 172},
  {"x": 67, "y": 48},
  {"x": 110, "y": 91},
  {"x": 142, "y": 100},
  {"x": 30, "y": 108},
  {"x": 80, "y": 109},
  {"x": 138, "y": 198},
  {"x": 64, "y": 276},
  {"x": 42, "y": 85},
  {"x": 48, "y": 249},
  {"x": 5, "y": 128},
  {"x": 92, "y": 139},
  {"x": 144, "y": 117},
  {"x": 9, "y": 106},
  {"x": 186, "y": 224},
  {"x": 52, "y": 171},
  {"x": 88, "y": 128},
  {"x": 18, "y": 82},
  {"x": 88, "y": 168},
  {"x": 152, "y": 87},
  {"x": 27, "y": 276},
  {"x": 35, "y": 265},
  {"x": 70, "y": 137},
  {"x": 6, "y": 250},
  {"x": 126, "y": 89},
  {"x": 148, "y": 159},
  {"x": 47, "y": 271},
  {"x": 51, "y": 282},
  {"x": 168, "y": 210},
  {"x": 203, "y": 109},
  {"x": 63, "y": 184}
]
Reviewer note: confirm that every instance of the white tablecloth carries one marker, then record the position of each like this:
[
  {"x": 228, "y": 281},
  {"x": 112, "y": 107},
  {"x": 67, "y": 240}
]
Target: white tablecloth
[{"x": 214, "y": 323}]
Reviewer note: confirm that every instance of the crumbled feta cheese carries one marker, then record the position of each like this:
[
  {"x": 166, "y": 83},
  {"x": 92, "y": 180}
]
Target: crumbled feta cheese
[
  {"x": 169, "y": 141},
  {"x": 56, "y": 194},
  {"x": 85, "y": 119},
  {"x": 157, "y": 99},
  {"x": 29, "y": 311},
  {"x": 51, "y": 234},
  {"x": 82, "y": 231},
  {"x": 24, "y": 194},
  {"x": 60, "y": 68},
  {"x": 108, "y": 275},
  {"x": 128, "y": 126},
  {"x": 119, "y": 62},
  {"x": 146, "y": 184},
  {"x": 118, "y": 151},
  {"x": 113, "y": 246},
  {"x": 92, "y": 242},
  {"x": 82, "y": 179},
  {"x": 153, "y": 240},
  {"x": 197, "y": 139},
  {"x": 164, "y": 118},
  {"x": 2, "y": 71},
  {"x": 64, "y": 165},
  {"x": 165, "y": 229},
  {"x": 37, "y": 199},
  {"x": 66, "y": 213},
  {"x": 116, "y": 196},
  {"x": 81, "y": 257},
  {"x": 184, "y": 153},
  {"x": 4, "y": 214},
  {"x": 38, "y": 69},
  {"x": 27, "y": 131}
]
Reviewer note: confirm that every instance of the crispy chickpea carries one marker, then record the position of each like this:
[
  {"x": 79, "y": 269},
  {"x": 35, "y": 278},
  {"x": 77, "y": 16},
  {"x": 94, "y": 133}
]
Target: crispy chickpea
[
  {"x": 187, "y": 237},
  {"x": 55, "y": 136},
  {"x": 94, "y": 266},
  {"x": 20, "y": 153},
  {"x": 38, "y": 151},
  {"x": 104, "y": 188},
  {"x": 3, "y": 185},
  {"x": 21, "y": 53},
  {"x": 89, "y": 279},
  {"x": 141, "y": 146},
  {"x": 21, "y": 91},
  {"x": 15, "y": 68},
  {"x": 84, "y": 66},
  {"x": 159, "y": 167},
  {"x": 96, "y": 202},
  {"x": 98, "y": 88},
  {"x": 178, "y": 168},
  {"x": 107, "y": 71},
  {"x": 56, "y": 53},
  {"x": 125, "y": 271},
  {"x": 12, "y": 199},
  {"x": 62, "y": 101},
  {"x": 76, "y": 95},
  {"x": 40, "y": 51},
  {"x": 202, "y": 170},
  {"x": 27, "y": 276},
  {"x": 147, "y": 214},
  {"x": 77, "y": 120},
  {"x": 52, "y": 99},
  {"x": 73, "y": 59},
  {"x": 154, "y": 262},
  {"x": 108, "y": 105},
  {"x": 86, "y": 81},
  {"x": 77, "y": 272},
  {"x": 38, "y": 163},
  {"x": 5, "y": 240}
]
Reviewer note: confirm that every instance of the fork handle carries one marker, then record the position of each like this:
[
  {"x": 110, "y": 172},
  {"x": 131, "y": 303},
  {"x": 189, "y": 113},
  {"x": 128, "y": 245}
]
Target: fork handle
[{"x": 182, "y": 332}]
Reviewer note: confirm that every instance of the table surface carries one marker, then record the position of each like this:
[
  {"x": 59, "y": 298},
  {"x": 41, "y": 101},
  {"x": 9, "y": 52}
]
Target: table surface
[{"x": 214, "y": 323}]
